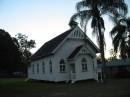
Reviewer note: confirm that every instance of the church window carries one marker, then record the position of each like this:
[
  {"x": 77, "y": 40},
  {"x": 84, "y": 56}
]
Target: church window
[
  {"x": 37, "y": 68},
  {"x": 93, "y": 64},
  {"x": 50, "y": 64},
  {"x": 84, "y": 64},
  {"x": 77, "y": 33},
  {"x": 33, "y": 68},
  {"x": 62, "y": 66},
  {"x": 43, "y": 67}
]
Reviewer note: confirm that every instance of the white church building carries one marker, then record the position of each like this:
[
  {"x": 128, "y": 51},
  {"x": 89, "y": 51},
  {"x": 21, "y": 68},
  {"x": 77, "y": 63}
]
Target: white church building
[{"x": 71, "y": 56}]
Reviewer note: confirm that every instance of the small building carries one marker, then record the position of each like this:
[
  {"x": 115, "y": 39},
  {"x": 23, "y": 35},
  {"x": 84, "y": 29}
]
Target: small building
[
  {"x": 71, "y": 56},
  {"x": 118, "y": 68}
]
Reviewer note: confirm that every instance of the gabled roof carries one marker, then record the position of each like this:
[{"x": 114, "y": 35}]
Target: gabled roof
[
  {"x": 49, "y": 46},
  {"x": 74, "y": 53}
]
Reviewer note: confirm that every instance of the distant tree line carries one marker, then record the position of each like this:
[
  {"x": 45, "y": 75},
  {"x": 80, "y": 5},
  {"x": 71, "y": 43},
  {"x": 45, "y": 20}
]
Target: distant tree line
[{"x": 14, "y": 52}]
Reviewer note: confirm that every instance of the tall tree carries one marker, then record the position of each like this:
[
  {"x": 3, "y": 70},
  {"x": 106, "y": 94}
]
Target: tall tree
[
  {"x": 94, "y": 9},
  {"x": 119, "y": 35},
  {"x": 9, "y": 53},
  {"x": 24, "y": 46}
]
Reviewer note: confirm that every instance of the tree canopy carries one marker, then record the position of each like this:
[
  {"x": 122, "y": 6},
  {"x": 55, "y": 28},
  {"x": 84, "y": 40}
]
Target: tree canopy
[
  {"x": 14, "y": 52},
  {"x": 24, "y": 45},
  {"x": 10, "y": 56}
]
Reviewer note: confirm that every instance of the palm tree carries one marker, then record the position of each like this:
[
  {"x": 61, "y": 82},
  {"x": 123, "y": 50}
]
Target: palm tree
[
  {"x": 119, "y": 36},
  {"x": 94, "y": 9},
  {"x": 128, "y": 50}
]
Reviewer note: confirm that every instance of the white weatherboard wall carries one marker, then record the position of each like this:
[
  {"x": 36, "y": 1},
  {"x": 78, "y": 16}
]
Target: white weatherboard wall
[
  {"x": 83, "y": 75},
  {"x": 48, "y": 76}
]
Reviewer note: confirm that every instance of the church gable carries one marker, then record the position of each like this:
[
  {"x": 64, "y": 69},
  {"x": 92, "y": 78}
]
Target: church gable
[
  {"x": 81, "y": 50},
  {"x": 84, "y": 51},
  {"x": 77, "y": 34},
  {"x": 88, "y": 51}
]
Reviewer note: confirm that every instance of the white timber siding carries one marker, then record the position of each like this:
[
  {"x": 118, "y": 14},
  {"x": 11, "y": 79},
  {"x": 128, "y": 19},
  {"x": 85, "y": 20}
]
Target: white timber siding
[
  {"x": 47, "y": 75},
  {"x": 90, "y": 73}
]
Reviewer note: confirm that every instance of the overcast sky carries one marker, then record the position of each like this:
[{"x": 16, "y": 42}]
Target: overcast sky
[{"x": 41, "y": 20}]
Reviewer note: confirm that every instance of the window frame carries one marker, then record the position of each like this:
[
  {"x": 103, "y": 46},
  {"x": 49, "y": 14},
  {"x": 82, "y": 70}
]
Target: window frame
[
  {"x": 43, "y": 67},
  {"x": 33, "y": 69},
  {"x": 37, "y": 68},
  {"x": 84, "y": 65},
  {"x": 50, "y": 66},
  {"x": 62, "y": 66}
]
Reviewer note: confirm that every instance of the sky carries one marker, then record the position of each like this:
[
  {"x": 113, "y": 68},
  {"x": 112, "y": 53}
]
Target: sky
[{"x": 42, "y": 20}]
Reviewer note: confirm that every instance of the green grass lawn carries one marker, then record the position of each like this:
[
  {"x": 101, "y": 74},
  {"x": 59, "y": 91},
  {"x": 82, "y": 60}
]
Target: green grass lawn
[{"x": 19, "y": 88}]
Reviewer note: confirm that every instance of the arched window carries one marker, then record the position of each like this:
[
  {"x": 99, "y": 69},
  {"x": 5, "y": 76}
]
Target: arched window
[
  {"x": 37, "y": 68},
  {"x": 43, "y": 67},
  {"x": 84, "y": 64},
  {"x": 77, "y": 33},
  {"x": 33, "y": 69},
  {"x": 50, "y": 64},
  {"x": 62, "y": 65},
  {"x": 93, "y": 64}
]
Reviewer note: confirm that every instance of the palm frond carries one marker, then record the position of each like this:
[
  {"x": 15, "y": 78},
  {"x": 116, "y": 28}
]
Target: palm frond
[
  {"x": 113, "y": 19},
  {"x": 116, "y": 43},
  {"x": 74, "y": 17},
  {"x": 115, "y": 8},
  {"x": 114, "y": 31},
  {"x": 84, "y": 17},
  {"x": 118, "y": 38},
  {"x": 119, "y": 9},
  {"x": 128, "y": 24},
  {"x": 83, "y": 4}
]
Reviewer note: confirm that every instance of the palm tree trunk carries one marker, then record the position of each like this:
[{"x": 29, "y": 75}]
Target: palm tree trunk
[
  {"x": 103, "y": 62},
  {"x": 101, "y": 36}
]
